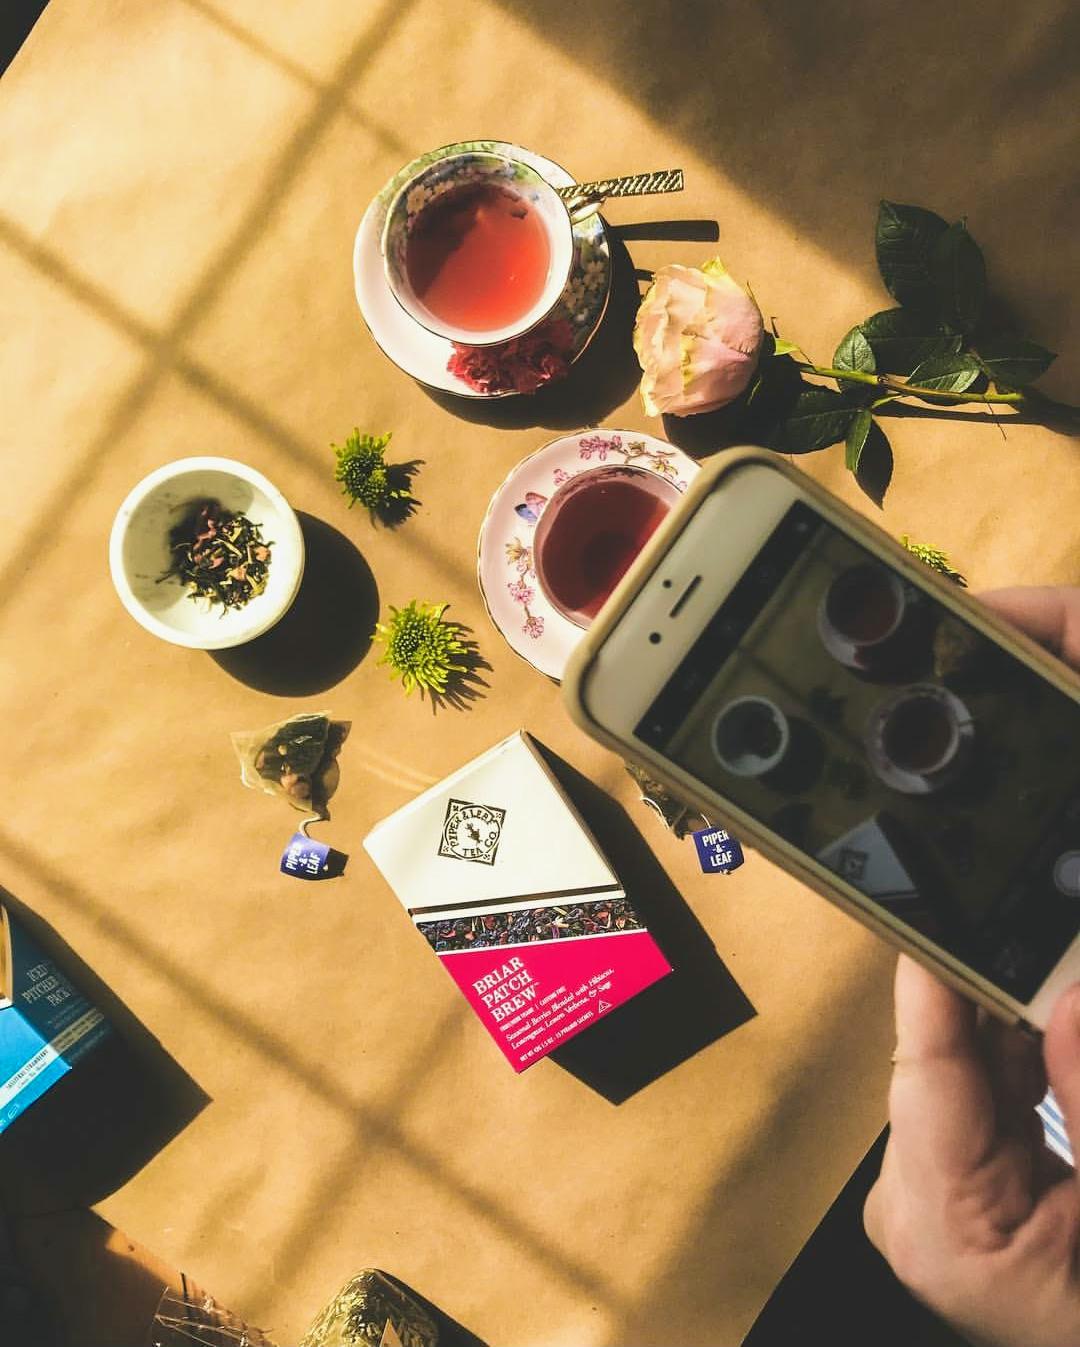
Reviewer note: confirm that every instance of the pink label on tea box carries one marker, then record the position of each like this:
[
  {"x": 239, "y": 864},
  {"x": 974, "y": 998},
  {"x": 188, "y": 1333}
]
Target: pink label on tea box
[{"x": 532, "y": 998}]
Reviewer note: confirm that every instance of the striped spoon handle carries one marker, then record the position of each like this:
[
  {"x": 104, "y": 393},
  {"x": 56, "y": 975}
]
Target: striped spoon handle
[{"x": 633, "y": 184}]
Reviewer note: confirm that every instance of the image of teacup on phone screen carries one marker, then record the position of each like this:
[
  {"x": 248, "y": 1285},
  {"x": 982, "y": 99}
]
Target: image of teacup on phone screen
[
  {"x": 863, "y": 617},
  {"x": 591, "y": 530},
  {"x": 751, "y": 736},
  {"x": 918, "y": 739}
]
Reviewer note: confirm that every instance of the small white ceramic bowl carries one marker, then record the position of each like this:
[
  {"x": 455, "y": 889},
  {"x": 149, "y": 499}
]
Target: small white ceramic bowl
[{"x": 139, "y": 553}]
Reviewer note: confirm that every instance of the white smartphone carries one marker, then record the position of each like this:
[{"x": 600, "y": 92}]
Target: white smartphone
[{"x": 795, "y": 673}]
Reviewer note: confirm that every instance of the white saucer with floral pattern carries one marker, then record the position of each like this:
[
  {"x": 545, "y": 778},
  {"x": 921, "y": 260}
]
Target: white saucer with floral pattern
[
  {"x": 521, "y": 366},
  {"x": 531, "y": 626}
]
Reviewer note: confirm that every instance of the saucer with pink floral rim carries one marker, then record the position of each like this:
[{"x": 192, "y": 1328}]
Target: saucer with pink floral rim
[{"x": 514, "y": 601}]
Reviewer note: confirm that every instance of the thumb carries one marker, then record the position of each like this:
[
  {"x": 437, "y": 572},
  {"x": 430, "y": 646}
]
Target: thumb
[{"x": 1061, "y": 1048}]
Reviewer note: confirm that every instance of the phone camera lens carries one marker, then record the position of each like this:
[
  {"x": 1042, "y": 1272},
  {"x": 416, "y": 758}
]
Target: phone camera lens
[
  {"x": 667, "y": 584},
  {"x": 654, "y": 637}
]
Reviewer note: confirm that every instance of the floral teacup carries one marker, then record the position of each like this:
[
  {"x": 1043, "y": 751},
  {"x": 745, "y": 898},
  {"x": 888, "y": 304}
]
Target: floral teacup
[
  {"x": 411, "y": 220},
  {"x": 591, "y": 530}
]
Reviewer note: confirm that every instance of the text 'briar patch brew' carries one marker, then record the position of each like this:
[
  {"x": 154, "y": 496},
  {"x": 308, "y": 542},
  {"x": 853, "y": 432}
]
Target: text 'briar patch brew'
[{"x": 502, "y": 878}]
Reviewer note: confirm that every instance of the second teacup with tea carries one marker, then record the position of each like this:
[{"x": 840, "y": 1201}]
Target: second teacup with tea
[
  {"x": 591, "y": 530},
  {"x": 477, "y": 248}
]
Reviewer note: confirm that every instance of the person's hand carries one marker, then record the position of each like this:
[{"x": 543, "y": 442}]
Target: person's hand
[{"x": 976, "y": 1217}]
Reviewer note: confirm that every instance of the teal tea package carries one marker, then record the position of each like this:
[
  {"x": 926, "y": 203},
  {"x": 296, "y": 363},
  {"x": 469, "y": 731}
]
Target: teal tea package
[{"x": 46, "y": 1024}]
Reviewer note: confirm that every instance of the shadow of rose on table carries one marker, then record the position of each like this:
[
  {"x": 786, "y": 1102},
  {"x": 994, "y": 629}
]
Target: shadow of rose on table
[
  {"x": 879, "y": 134},
  {"x": 107, "y": 1117},
  {"x": 326, "y": 632},
  {"x": 669, "y": 1022}
]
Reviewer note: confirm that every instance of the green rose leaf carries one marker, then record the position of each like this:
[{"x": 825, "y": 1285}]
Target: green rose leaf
[
  {"x": 959, "y": 275},
  {"x": 948, "y": 373},
  {"x": 901, "y": 338},
  {"x": 855, "y": 352},
  {"x": 782, "y": 347},
  {"x": 875, "y": 467},
  {"x": 1012, "y": 361},
  {"x": 820, "y": 417},
  {"x": 855, "y": 442},
  {"x": 904, "y": 240}
]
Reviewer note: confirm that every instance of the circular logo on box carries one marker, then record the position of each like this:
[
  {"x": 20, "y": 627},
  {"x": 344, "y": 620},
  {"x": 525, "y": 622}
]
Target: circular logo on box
[{"x": 471, "y": 832}]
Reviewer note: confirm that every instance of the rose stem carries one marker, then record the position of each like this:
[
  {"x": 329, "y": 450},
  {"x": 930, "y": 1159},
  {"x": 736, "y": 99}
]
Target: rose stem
[{"x": 900, "y": 387}]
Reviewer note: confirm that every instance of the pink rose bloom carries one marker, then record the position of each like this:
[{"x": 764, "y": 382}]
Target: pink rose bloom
[{"x": 697, "y": 338}]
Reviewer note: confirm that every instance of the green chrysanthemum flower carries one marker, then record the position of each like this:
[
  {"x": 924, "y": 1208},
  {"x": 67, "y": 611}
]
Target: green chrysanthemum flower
[
  {"x": 421, "y": 647},
  {"x": 934, "y": 558},
  {"x": 363, "y": 474}
]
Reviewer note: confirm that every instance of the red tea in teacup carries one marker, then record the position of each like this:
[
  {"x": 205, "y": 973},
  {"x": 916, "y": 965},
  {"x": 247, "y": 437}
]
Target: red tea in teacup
[
  {"x": 477, "y": 248},
  {"x": 590, "y": 532},
  {"x": 478, "y": 257}
]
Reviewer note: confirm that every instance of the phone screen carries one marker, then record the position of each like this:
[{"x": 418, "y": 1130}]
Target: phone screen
[{"x": 852, "y": 713}]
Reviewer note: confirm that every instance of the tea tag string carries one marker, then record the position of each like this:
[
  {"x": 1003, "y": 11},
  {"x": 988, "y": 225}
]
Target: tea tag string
[{"x": 718, "y": 852}]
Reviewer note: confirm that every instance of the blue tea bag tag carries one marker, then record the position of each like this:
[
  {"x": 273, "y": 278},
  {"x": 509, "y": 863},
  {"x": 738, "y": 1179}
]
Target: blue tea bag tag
[
  {"x": 306, "y": 858},
  {"x": 718, "y": 852}
]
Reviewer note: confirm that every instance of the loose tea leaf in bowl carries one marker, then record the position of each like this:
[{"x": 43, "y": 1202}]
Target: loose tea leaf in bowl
[
  {"x": 295, "y": 759},
  {"x": 221, "y": 556}
]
